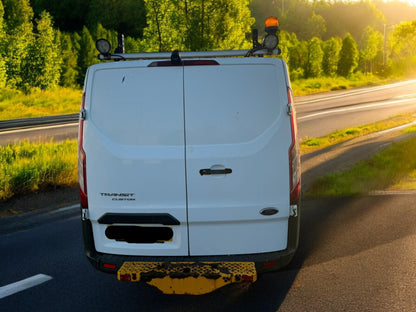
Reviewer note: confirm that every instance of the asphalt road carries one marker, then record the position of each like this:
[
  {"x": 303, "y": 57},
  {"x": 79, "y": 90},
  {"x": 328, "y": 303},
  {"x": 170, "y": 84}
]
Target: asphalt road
[
  {"x": 356, "y": 254},
  {"x": 324, "y": 113}
]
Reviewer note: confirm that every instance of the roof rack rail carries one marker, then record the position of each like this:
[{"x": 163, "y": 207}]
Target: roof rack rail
[
  {"x": 185, "y": 55},
  {"x": 267, "y": 47}
]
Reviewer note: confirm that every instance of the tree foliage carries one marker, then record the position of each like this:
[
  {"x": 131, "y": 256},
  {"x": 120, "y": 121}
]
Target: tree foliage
[
  {"x": 53, "y": 43},
  {"x": 403, "y": 46},
  {"x": 87, "y": 54},
  {"x": 69, "y": 71},
  {"x": 41, "y": 66},
  {"x": 322, "y": 19},
  {"x": 371, "y": 47},
  {"x": 348, "y": 56},
  {"x": 69, "y": 15},
  {"x": 403, "y": 40},
  {"x": 313, "y": 62},
  {"x": 331, "y": 49},
  {"x": 19, "y": 29},
  {"x": 127, "y": 16},
  {"x": 197, "y": 24},
  {"x": 3, "y": 73}
]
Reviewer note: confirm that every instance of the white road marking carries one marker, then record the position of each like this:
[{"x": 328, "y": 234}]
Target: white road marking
[
  {"x": 406, "y": 95},
  {"x": 355, "y": 92},
  {"x": 392, "y": 192},
  {"x": 76, "y": 206},
  {"x": 23, "y": 285},
  {"x": 334, "y": 111}
]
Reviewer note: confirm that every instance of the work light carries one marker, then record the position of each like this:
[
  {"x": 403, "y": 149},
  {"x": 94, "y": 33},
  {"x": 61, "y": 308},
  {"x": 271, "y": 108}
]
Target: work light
[{"x": 103, "y": 46}]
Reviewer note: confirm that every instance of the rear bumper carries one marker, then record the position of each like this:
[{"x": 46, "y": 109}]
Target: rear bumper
[{"x": 273, "y": 260}]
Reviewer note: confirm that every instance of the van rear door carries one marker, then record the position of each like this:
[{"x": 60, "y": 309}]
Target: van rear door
[
  {"x": 237, "y": 141},
  {"x": 135, "y": 158}
]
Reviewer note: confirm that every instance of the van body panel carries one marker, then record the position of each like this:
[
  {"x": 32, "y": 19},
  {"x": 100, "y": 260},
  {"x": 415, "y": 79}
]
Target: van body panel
[
  {"x": 135, "y": 133},
  {"x": 236, "y": 118}
]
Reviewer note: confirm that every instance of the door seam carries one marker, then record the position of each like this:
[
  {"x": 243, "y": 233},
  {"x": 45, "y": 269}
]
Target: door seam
[{"x": 185, "y": 159}]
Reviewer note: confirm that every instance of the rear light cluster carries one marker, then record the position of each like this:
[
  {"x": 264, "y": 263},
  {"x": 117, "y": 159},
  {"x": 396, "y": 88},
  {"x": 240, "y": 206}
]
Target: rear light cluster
[
  {"x": 82, "y": 169},
  {"x": 294, "y": 155}
]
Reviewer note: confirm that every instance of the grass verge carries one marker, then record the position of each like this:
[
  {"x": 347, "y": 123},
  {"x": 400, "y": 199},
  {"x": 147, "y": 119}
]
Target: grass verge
[
  {"x": 392, "y": 169},
  {"x": 324, "y": 84},
  {"x": 312, "y": 144},
  {"x": 15, "y": 104},
  {"x": 28, "y": 167}
]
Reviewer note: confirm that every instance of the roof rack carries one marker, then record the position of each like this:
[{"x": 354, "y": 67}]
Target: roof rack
[
  {"x": 185, "y": 55},
  {"x": 267, "y": 47}
]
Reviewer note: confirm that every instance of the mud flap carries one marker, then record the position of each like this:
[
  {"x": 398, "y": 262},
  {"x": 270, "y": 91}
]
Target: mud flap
[{"x": 190, "y": 278}]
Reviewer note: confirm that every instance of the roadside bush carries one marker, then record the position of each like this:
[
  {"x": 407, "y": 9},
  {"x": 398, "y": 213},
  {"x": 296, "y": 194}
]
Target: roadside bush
[{"x": 28, "y": 167}]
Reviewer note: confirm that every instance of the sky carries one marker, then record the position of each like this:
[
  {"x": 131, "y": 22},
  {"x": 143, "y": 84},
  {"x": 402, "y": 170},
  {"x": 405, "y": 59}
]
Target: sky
[{"x": 411, "y": 2}]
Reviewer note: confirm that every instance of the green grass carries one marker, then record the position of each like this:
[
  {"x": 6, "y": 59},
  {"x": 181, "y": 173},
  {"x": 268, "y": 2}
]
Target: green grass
[
  {"x": 392, "y": 169},
  {"x": 324, "y": 84},
  {"x": 312, "y": 144},
  {"x": 28, "y": 167},
  {"x": 15, "y": 104}
]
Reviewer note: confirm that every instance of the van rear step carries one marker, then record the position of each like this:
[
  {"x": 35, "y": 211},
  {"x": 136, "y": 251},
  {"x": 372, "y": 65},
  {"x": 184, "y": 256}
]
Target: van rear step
[{"x": 190, "y": 278}]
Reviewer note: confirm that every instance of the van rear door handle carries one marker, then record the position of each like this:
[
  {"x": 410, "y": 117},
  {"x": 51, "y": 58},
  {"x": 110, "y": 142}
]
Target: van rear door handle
[{"x": 214, "y": 171}]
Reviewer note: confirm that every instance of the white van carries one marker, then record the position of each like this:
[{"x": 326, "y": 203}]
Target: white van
[{"x": 189, "y": 169}]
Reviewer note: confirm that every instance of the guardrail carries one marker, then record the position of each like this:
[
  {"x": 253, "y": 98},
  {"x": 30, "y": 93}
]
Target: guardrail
[{"x": 38, "y": 121}]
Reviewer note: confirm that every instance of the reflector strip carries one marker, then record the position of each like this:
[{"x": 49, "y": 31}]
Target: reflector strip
[{"x": 110, "y": 266}]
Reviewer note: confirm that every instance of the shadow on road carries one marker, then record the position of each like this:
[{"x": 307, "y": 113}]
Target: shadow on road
[
  {"x": 266, "y": 294},
  {"x": 330, "y": 229}
]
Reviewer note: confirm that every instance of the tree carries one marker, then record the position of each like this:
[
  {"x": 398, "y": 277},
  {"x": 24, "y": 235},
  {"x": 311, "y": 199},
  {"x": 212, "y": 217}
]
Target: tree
[
  {"x": 348, "y": 56},
  {"x": 69, "y": 15},
  {"x": 352, "y": 17},
  {"x": 19, "y": 29},
  {"x": 69, "y": 61},
  {"x": 298, "y": 52},
  {"x": 315, "y": 26},
  {"x": 101, "y": 32},
  {"x": 3, "y": 73},
  {"x": 160, "y": 32},
  {"x": 403, "y": 46},
  {"x": 296, "y": 11},
  {"x": 197, "y": 25},
  {"x": 313, "y": 61},
  {"x": 127, "y": 16},
  {"x": 285, "y": 42},
  {"x": 403, "y": 40},
  {"x": 370, "y": 46},
  {"x": 87, "y": 53},
  {"x": 41, "y": 67},
  {"x": 331, "y": 49}
]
